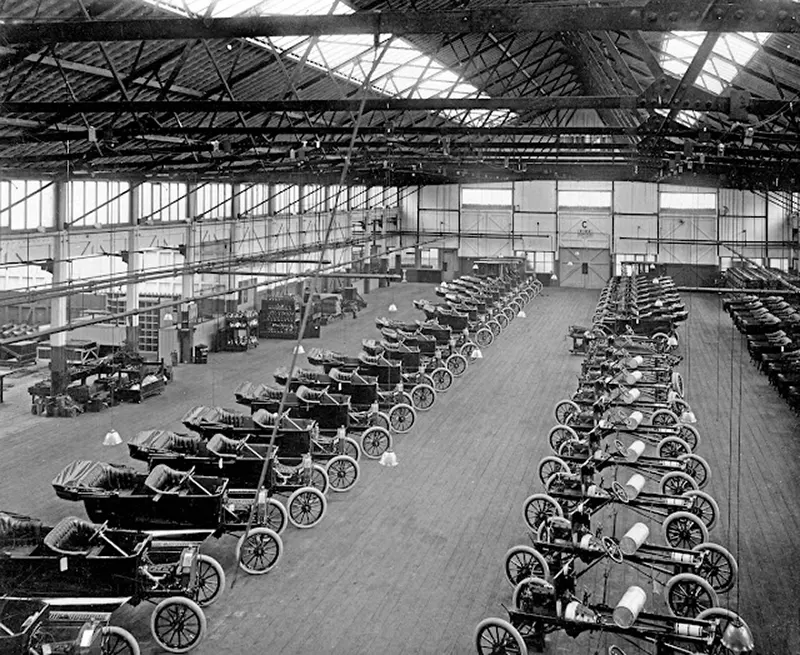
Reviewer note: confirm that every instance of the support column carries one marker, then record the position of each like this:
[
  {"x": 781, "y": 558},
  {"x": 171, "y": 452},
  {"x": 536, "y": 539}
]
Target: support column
[
  {"x": 233, "y": 236},
  {"x": 59, "y": 376},
  {"x": 186, "y": 332},
  {"x": 134, "y": 268}
]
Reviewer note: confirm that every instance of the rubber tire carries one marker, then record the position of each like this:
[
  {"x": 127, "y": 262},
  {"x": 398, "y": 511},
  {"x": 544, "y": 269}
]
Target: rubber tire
[
  {"x": 664, "y": 418},
  {"x": 216, "y": 567},
  {"x": 548, "y": 466},
  {"x": 301, "y": 497},
  {"x": 542, "y": 499},
  {"x": 684, "y": 519},
  {"x": 709, "y": 503},
  {"x": 345, "y": 469},
  {"x": 672, "y": 448},
  {"x": 375, "y": 441},
  {"x": 701, "y": 466},
  {"x": 280, "y": 510},
  {"x": 121, "y": 634},
  {"x": 260, "y": 533},
  {"x": 399, "y": 415},
  {"x": 690, "y": 580},
  {"x": 382, "y": 421},
  {"x": 422, "y": 394},
  {"x": 442, "y": 379},
  {"x": 690, "y": 435},
  {"x": 565, "y": 409},
  {"x": 319, "y": 478},
  {"x": 529, "y": 555},
  {"x": 498, "y": 633},
  {"x": 486, "y": 340},
  {"x": 677, "y": 478},
  {"x": 559, "y": 434},
  {"x": 189, "y": 606},
  {"x": 718, "y": 551},
  {"x": 457, "y": 364},
  {"x": 351, "y": 449}
]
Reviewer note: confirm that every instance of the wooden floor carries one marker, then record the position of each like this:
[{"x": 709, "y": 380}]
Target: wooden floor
[{"x": 411, "y": 559}]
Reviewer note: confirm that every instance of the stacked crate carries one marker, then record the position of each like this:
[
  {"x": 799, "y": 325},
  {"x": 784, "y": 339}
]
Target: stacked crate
[{"x": 278, "y": 318}]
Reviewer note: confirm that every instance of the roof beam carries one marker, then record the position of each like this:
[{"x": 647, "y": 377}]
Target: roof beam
[
  {"x": 656, "y": 15},
  {"x": 718, "y": 104}
]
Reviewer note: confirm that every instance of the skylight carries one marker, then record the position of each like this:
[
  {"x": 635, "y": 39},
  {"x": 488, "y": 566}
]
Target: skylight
[
  {"x": 403, "y": 71},
  {"x": 730, "y": 54}
]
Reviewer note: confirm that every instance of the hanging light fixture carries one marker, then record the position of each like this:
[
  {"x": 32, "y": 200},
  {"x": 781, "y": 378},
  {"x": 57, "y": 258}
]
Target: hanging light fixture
[
  {"x": 112, "y": 438},
  {"x": 554, "y": 277},
  {"x": 737, "y": 637},
  {"x": 388, "y": 458},
  {"x": 477, "y": 354},
  {"x": 393, "y": 308},
  {"x": 298, "y": 349},
  {"x": 521, "y": 314}
]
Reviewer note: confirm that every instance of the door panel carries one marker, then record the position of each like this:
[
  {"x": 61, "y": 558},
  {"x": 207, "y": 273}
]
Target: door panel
[{"x": 584, "y": 268}]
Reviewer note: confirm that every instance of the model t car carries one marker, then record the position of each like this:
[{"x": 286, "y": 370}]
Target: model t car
[{"x": 92, "y": 569}]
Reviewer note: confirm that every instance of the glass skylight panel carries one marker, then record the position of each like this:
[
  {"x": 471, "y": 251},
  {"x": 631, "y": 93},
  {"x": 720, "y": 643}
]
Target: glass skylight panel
[
  {"x": 403, "y": 70},
  {"x": 731, "y": 52}
]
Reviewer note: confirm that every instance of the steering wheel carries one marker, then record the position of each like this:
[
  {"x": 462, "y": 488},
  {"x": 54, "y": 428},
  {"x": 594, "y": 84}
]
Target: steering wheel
[
  {"x": 100, "y": 529},
  {"x": 612, "y": 549},
  {"x": 619, "y": 492},
  {"x": 184, "y": 478},
  {"x": 621, "y": 447}
]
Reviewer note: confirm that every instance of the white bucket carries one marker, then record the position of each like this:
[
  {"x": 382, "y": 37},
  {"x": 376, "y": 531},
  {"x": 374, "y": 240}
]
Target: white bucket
[
  {"x": 629, "y": 606},
  {"x": 634, "y": 485},
  {"x": 634, "y": 538},
  {"x": 634, "y": 451},
  {"x": 634, "y": 420},
  {"x": 631, "y": 396},
  {"x": 632, "y": 377},
  {"x": 635, "y": 362}
]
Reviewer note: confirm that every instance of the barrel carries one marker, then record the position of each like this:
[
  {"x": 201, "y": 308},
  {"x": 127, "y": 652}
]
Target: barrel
[
  {"x": 634, "y": 420},
  {"x": 688, "y": 630},
  {"x": 634, "y": 485},
  {"x": 634, "y": 538},
  {"x": 630, "y": 396},
  {"x": 632, "y": 377},
  {"x": 634, "y": 451},
  {"x": 635, "y": 362},
  {"x": 629, "y": 606}
]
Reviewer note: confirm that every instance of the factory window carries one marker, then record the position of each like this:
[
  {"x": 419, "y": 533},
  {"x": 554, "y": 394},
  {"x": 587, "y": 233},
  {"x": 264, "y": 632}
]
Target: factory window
[
  {"x": 314, "y": 198},
  {"x": 286, "y": 198},
  {"x": 358, "y": 197},
  {"x": 687, "y": 200},
  {"x": 27, "y": 204},
  {"x": 162, "y": 201},
  {"x": 584, "y": 199},
  {"x": 99, "y": 203},
  {"x": 779, "y": 263},
  {"x": 429, "y": 258},
  {"x": 407, "y": 259},
  {"x": 254, "y": 200},
  {"x": 213, "y": 200},
  {"x": 487, "y": 197},
  {"x": 540, "y": 262}
]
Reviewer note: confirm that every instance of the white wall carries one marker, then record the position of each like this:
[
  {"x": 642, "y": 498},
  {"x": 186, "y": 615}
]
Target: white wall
[{"x": 632, "y": 226}]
